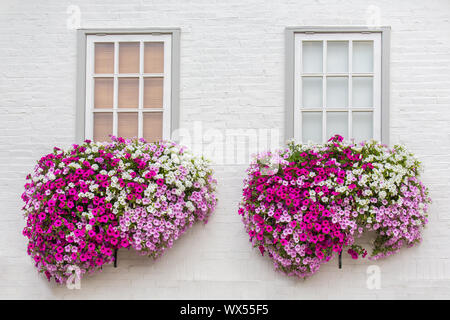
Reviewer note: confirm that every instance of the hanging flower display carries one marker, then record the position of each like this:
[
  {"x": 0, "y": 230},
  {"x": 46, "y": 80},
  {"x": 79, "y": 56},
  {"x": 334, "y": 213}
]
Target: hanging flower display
[
  {"x": 181, "y": 192},
  {"x": 83, "y": 203},
  {"x": 304, "y": 204}
]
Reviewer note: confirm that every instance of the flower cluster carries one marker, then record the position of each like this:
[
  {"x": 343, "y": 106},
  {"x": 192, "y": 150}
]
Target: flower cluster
[
  {"x": 83, "y": 203},
  {"x": 163, "y": 191},
  {"x": 314, "y": 200}
]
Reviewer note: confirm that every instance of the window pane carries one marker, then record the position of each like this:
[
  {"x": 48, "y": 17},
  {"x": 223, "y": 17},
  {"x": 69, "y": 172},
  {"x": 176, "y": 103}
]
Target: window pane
[
  {"x": 312, "y": 92},
  {"x": 363, "y": 56},
  {"x": 337, "y": 56},
  {"x": 129, "y": 57},
  {"x": 362, "y": 126},
  {"x": 128, "y": 93},
  {"x": 362, "y": 92},
  {"x": 104, "y": 58},
  {"x": 337, "y": 124},
  {"x": 153, "y": 92},
  {"x": 312, "y": 127},
  {"x": 312, "y": 57},
  {"x": 154, "y": 57},
  {"x": 337, "y": 92},
  {"x": 103, "y": 93},
  {"x": 128, "y": 124},
  {"x": 153, "y": 123},
  {"x": 103, "y": 126}
]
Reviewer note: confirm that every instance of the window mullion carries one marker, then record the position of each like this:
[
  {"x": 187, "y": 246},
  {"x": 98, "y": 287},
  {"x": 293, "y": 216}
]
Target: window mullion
[
  {"x": 141, "y": 89},
  {"x": 298, "y": 82},
  {"x": 116, "y": 87},
  {"x": 324, "y": 92},
  {"x": 167, "y": 89},
  {"x": 89, "y": 116},
  {"x": 376, "y": 89},
  {"x": 350, "y": 89}
]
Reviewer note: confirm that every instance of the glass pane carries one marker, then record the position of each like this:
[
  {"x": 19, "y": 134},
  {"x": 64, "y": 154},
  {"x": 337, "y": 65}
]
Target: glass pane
[
  {"x": 128, "y": 124},
  {"x": 103, "y": 93},
  {"x": 337, "y": 92},
  {"x": 337, "y": 56},
  {"x": 154, "y": 57},
  {"x": 153, "y": 92},
  {"x": 153, "y": 124},
  {"x": 362, "y": 126},
  {"x": 128, "y": 93},
  {"x": 337, "y": 124},
  {"x": 362, "y": 56},
  {"x": 312, "y": 92},
  {"x": 362, "y": 92},
  {"x": 312, "y": 56},
  {"x": 129, "y": 57},
  {"x": 312, "y": 127},
  {"x": 103, "y": 126},
  {"x": 104, "y": 58}
]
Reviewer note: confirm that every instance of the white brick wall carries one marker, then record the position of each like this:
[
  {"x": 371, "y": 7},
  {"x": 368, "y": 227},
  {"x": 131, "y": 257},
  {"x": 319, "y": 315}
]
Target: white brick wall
[{"x": 232, "y": 76}]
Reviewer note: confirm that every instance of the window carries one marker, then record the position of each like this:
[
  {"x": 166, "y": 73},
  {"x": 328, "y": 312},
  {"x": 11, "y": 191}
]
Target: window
[
  {"x": 129, "y": 85},
  {"x": 337, "y": 83}
]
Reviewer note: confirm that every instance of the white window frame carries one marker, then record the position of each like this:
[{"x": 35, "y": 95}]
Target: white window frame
[
  {"x": 90, "y": 76},
  {"x": 85, "y": 77},
  {"x": 294, "y": 37}
]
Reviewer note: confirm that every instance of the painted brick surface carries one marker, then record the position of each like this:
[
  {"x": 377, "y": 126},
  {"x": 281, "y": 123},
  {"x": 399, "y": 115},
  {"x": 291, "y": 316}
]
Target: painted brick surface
[{"x": 232, "y": 77}]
